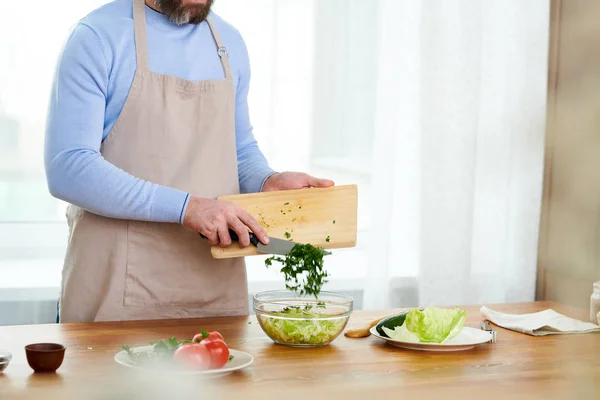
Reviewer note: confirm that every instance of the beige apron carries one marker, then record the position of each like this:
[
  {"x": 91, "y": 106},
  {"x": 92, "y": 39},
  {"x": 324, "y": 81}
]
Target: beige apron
[{"x": 179, "y": 134}]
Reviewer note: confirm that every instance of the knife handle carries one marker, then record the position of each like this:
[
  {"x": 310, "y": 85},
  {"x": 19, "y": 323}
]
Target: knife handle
[{"x": 234, "y": 237}]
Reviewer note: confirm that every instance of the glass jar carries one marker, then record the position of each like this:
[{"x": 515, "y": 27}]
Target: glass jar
[{"x": 595, "y": 304}]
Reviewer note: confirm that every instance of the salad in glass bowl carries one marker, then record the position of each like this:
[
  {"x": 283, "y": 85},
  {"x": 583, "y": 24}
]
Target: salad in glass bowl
[{"x": 300, "y": 320}]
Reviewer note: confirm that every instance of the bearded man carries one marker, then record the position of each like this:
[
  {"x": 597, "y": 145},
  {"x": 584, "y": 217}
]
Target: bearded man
[{"x": 148, "y": 124}]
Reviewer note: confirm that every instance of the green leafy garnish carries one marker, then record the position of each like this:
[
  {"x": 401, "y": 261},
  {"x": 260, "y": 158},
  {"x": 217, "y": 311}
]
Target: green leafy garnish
[
  {"x": 162, "y": 350},
  {"x": 327, "y": 239},
  {"x": 302, "y": 269},
  {"x": 286, "y": 203},
  {"x": 287, "y": 235},
  {"x": 334, "y": 221},
  {"x": 231, "y": 358}
]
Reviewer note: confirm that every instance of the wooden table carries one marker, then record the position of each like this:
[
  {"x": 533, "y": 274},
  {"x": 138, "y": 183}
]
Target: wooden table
[{"x": 517, "y": 366}]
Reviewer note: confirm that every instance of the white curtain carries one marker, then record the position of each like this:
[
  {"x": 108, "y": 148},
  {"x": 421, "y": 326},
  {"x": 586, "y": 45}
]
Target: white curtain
[
  {"x": 450, "y": 188},
  {"x": 459, "y": 144},
  {"x": 435, "y": 108}
]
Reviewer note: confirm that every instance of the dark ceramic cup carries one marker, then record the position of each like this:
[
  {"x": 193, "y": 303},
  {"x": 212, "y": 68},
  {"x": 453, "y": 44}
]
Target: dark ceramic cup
[{"x": 45, "y": 357}]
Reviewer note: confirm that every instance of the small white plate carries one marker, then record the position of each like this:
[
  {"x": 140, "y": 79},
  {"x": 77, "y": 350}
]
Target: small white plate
[
  {"x": 240, "y": 360},
  {"x": 465, "y": 340}
]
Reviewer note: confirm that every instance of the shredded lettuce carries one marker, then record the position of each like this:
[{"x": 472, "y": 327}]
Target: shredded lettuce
[
  {"x": 431, "y": 325},
  {"x": 302, "y": 326}
]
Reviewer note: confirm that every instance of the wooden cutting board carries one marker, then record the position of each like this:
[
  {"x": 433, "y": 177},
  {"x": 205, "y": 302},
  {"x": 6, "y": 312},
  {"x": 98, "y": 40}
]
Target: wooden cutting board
[{"x": 322, "y": 217}]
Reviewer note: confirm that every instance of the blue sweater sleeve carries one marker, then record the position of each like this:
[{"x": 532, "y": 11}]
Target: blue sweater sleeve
[
  {"x": 253, "y": 169},
  {"x": 76, "y": 171}
]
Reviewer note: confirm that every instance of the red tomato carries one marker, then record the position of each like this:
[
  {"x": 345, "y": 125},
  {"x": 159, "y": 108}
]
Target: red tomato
[
  {"x": 193, "y": 355},
  {"x": 205, "y": 335},
  {"x": 219, "y": 352}
]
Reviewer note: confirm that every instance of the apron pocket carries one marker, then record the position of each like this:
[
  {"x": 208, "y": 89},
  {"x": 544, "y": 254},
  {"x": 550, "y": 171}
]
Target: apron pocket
[{"x": 170, "y": 265}]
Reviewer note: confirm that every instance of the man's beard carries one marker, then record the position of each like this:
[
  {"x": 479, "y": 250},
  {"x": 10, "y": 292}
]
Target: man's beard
[{"x": 181, "y": 14}]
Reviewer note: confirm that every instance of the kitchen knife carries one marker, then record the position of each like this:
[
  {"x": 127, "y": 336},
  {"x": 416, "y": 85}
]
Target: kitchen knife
[{"x": 275, "y": 246}]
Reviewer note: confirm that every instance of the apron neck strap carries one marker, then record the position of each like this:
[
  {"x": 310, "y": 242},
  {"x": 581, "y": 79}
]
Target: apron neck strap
[
  {"x": 141, "y": 39},
  {"x": 221, "y": 50}
]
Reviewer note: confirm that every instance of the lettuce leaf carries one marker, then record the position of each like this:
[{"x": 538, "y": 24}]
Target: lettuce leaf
[
  {"x": 401, "y": 333},
  {"x": 431, "y": 325}
]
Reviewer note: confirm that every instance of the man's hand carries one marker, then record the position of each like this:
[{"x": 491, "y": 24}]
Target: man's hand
[
  {"x": 213, "y": 218},
  {"x": 294, "y": 180}
]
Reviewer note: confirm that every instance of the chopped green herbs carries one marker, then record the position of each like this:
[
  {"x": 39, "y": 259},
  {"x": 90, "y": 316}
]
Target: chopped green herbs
[
  {"x": 162, "y": 350},
  {"x": 287, "y": 235},
  {"x": 327, "y": 239},
  {"x": 302, "y": 269},
  {"x": 230, "y": 358},
  {"x": 334, "y": 221},
  {"x": 263, "y": 222},
  {"x": 287, "y": 203}
]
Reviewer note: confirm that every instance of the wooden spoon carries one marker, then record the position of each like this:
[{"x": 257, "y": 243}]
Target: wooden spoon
[{"x": 364, "y": 331}]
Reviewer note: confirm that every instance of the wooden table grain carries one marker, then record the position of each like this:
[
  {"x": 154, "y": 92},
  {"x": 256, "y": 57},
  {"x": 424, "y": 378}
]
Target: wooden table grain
[{"x": 517, "y": 366}]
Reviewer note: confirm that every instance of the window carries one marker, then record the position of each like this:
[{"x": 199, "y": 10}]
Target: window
[
  {"x": 436, "y": 112},
  {"x": 297, "y": 74}
]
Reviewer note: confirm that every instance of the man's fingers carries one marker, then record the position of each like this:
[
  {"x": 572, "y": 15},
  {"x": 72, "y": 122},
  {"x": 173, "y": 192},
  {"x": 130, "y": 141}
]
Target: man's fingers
[
  {"x": 254, "y": 226},
  {"x": 241, "y": 231},
  {"x": 213, "y": 238},
  {"x": 319, "y": 183},
  {"x": 224, "y": 238}
]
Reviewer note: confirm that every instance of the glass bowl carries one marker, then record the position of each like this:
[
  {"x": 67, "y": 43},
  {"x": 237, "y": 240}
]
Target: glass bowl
[
  {"x": 5, "y": 357},
  {"x": 302, "y": 321}
]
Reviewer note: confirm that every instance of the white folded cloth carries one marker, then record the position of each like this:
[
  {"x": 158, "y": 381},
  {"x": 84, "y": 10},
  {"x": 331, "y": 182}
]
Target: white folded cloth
[{"x": 547, "y": 322}]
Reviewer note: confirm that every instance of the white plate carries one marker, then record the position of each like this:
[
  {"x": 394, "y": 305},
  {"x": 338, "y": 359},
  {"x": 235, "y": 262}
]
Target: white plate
[
  {"x": 466, "y": 339},
  {"x": 240, "y": 360}
]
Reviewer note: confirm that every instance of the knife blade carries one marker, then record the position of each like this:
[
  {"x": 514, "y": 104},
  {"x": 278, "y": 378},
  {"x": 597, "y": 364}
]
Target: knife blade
[{"x": 276, "y": 246}]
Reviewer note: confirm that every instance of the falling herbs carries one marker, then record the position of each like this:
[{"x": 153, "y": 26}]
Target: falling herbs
[{"x": 302, "y": 269}]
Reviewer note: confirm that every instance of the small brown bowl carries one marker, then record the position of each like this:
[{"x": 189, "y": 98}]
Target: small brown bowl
[{"x": 45, "y": 357}]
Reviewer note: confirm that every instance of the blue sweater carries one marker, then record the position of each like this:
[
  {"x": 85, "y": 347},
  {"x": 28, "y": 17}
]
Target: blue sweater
[{"x": 93, "y": 77}]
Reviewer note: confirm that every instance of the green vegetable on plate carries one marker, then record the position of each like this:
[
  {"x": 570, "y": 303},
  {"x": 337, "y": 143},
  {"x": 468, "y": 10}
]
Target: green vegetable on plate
[{"x": 430, "y": 325}]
